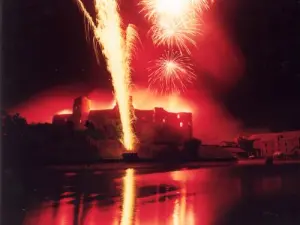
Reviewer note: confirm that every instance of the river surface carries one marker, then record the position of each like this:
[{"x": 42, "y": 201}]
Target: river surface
[{"x": 238, "y": 194}]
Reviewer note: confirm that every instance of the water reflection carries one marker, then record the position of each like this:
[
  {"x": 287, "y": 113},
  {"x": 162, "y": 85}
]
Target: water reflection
[
  {"x": 180, "y": 208},
  {"x": 184, "y": 197},
  {"x": 128, "y": 198}
]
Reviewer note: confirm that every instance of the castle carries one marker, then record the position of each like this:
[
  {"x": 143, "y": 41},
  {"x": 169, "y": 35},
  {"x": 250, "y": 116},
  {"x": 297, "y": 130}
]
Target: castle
[{"x": 143, "y": 120}]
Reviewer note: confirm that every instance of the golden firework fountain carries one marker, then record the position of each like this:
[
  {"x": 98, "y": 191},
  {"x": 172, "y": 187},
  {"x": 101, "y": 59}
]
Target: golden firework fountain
[{"x": 131, "y": 155}]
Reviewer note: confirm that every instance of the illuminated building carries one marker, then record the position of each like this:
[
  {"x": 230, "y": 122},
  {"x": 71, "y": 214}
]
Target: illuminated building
[
  {"x": 108, "y": 119},
  {"x": 268, "y": 143}
]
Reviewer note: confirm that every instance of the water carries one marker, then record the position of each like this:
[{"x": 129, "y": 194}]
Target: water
[{"x": 208, "y": 196}]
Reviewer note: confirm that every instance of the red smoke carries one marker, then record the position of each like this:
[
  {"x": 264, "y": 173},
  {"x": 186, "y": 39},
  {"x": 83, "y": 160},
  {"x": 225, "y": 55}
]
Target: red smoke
[
  {"x": 217, "y": 56},
  {"x": 211, "y": 122},
  {"x": 41, "y": 107}
]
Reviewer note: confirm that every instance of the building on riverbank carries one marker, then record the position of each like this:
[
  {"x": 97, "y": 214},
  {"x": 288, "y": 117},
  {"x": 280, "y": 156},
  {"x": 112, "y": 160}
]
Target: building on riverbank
[{"x": 287, "y": 143}]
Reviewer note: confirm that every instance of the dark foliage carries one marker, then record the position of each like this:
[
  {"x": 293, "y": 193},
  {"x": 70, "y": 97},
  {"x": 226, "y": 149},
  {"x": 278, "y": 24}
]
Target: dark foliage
[
  {"x": 191, "y": 148},
  {"x": 26, "y": 145},
  {"x": 169, "y": 153}
]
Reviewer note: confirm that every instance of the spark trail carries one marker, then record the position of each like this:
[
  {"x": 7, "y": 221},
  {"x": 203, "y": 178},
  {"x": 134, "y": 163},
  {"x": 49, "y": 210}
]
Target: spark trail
[
  {"x": 110, "y": 37},
  {"x": 131, "y": 38}
]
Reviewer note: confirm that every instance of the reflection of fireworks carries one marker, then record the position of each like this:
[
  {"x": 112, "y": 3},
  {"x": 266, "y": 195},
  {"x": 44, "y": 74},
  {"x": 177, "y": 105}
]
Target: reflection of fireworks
[
  {"x": 128, "y": 198},
  {"x": 109, "y": 36},
  {"x": 175, "y": 22},
  {"x": 171, "y": 73}
]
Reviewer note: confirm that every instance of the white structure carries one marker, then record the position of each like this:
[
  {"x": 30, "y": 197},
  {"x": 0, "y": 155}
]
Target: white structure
[{"x": 285, "y": 142}]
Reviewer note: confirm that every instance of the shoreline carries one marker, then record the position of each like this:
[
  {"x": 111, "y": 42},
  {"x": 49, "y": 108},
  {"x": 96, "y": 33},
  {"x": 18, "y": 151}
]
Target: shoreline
[{"x": 110, "y": 166}]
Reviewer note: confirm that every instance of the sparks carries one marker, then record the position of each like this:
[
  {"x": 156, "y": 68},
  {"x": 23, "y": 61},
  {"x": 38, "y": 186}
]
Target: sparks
[
  {"x": 174, "y": 22},
  {"x": 171, "y": 73},
  {"x": 109, "y": 36},
  {"x": 131, "y": 38},
  {"x": 175, "y": 32}
]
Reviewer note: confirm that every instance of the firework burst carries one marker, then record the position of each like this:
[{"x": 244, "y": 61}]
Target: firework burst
[
  {"x": 171, "y": 73},
  {"x": 174, "y": 22},
  {"x": 176, "y": 32}
]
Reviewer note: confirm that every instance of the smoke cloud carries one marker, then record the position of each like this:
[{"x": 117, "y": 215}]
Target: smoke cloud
[{"x": 211, "y": 122}]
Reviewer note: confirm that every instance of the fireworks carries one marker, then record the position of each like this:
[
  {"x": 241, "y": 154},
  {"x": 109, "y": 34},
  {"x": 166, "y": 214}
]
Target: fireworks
[
  {"x": 177, "y": 32},
  {"x": 171, "y": 73},
  {"x": 131, "y": 38},
  {"x": 109, "y": 35},
  {"x": 174, "y": 22}
]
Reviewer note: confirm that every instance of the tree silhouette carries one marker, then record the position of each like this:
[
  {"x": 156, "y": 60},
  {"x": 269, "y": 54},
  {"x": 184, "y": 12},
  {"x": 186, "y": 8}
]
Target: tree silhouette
[{"x": 191, "y": 148}]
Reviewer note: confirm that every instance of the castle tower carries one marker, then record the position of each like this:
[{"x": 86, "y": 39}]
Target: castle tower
[{"x": 81, "y": 109}]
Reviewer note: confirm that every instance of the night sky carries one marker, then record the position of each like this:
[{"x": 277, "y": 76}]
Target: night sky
[{"x": 44, "y": 46}]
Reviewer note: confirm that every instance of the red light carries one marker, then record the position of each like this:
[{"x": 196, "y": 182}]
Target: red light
[
  {"x": 178, "y": 116},
  {"x": 65, "y": 112},
  {"x": 164, "y": 120},
  {"x": 181, "y": 124}
]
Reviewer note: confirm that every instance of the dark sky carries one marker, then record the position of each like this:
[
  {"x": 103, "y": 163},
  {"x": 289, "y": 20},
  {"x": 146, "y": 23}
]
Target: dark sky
[{"x": 44, "y": 45}]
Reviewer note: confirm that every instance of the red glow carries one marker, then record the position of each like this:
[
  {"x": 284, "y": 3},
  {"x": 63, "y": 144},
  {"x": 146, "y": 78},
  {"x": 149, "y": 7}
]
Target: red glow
[
  {"x": 65, "y": 112},
  {"x": 98, "y": 105},
  {"x": 211, "y": 122},
  {"x": 63, "y": 215},
  {"x": 199, "y": 195},
  {"x": 41, "y": 107},
  {"x": 181, "y": 124},
  {"x": 142, "y": 99},
  {"x": 175, "y": 103}
]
